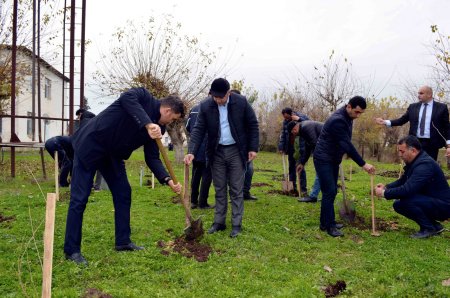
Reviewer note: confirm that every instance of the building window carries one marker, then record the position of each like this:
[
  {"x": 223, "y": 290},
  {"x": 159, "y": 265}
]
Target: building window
[
  {"x": 29, "y": 124},
  {"x": 48, "y": 88}
]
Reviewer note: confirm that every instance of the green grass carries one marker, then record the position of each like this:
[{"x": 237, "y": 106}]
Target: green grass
[{"x": 281, "y": 252}]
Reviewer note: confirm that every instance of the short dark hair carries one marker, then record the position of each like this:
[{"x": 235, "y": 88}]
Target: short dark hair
[
  {"x": 411, "y": 142},
  {"x": 219, "y": 88},
  {"x": 174, "y": 102},
  {"x": 358, "y": 101},
  {"x": 80, "y": 111},
  {"x": 287, "y": 111},
  {"x": 291, "y": 125}
]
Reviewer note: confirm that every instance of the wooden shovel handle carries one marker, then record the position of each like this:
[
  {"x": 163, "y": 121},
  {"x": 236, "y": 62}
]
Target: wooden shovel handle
[
  {"x": 186, "y": 197},
  {"x": 373, "y": 204},
  {"x": 166, "y": 160}
]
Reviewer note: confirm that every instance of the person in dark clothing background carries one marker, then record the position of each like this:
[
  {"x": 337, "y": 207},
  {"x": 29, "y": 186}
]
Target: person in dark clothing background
[
  {"x": 309, "y": 132},
  {"x": 422, "y": 193},
  {"x": 63, "y": 145},
  {"x": 335, "y": 140},
  {"x": 233, "y": 140},
  {"x": 135, "y": 119},
  {"x": 429, "y": 122},
  {"x": 286, "y": 146},
  {"x": 201, "y": 170}
]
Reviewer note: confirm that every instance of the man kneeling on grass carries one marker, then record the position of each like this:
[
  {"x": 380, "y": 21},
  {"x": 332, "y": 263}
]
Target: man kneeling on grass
[{"x": 422, "y": 193}]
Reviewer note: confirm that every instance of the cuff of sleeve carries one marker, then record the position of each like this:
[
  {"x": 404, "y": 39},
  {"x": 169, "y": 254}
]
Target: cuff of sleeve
[
  {"x": 166, "y": 180},
  {"x": 388, "y": 123},
  {"x": 448, "y": 142}
]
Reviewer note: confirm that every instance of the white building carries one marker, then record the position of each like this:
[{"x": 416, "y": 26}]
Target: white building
[{"x": 53, "y": 84}]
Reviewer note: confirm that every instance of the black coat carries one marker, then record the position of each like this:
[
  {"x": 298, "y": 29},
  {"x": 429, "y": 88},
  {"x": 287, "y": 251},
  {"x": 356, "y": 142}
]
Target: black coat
[
  {"x": 119, "y": 130},
  {"x": 422, "y": 176},
  {"x": 309, "y": 132},
  {"x": 284, "y": 143},
  {"x": 439, "y": 122},
  {"x": 190, "y": 124},
  {"x": 243, "y": 126},
  {"x": 336, "y": 139}
]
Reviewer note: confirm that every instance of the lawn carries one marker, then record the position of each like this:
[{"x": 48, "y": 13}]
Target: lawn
[{"x": 280, "y": 253}]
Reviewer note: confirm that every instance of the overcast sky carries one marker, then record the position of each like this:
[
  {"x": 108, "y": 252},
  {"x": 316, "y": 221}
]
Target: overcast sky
[{"x": 385, "y": 39}]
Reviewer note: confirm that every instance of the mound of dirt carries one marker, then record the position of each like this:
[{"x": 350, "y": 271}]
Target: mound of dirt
[
  {"x": 189, "y": 249},
  {"x": 6, "y": 218},
  {"x": 95, "y": 293},
  {"x": 380, "y": 224},
  {"x": 332, "y": 290},
  {"x": 259, "y": 184},
  {"x": 391, "y": 174},
  {"x": 280, "y": 192}
]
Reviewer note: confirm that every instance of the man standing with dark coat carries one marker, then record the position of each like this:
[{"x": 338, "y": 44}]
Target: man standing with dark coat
[
  {"x": 233, "y": 140},
  {"x": 422, "y": 192},
  {"x": 63, "y": 145},
  {"x": 335, "y": 140},
  {"x": 429, "y": 122},
  {"x": 132, "y": 121}
]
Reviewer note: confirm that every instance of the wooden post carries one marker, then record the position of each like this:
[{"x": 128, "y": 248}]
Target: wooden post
[
  {"x": 153, "y": 181},
  {"x": 48, "y": 245},
  {"x": 141, "y": 176},
  {"x": 56, "y": 176},
  {"x": 351, "y": 171},
  {"x": 374, "y": 229}
]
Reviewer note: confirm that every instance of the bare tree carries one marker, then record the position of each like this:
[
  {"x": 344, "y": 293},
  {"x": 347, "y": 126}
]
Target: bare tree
[
  {"x": 440, "y": 49},
  {"x": 333, "y": 81},
  {"x": 156, "y": 55}
]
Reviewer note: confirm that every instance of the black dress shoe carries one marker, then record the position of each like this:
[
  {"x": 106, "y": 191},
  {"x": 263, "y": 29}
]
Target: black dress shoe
[
  {"x": 194, "y": 206},
  {"x": 216, "y": 228},
  {"x": 249, "y": 197},
  {"x": 129, "y": 247},
  {"x": 207, "y": 206},
  {"x": 333, "y": 232},
  {"x": 438, "y": 228},
  {"x": 337, "y": 226},
  {"x": 235, "y": 231},
  {"x": 423, "y": 234},
  {"x": 308, "y": 200},
  {"x": 77, "y": 258}
]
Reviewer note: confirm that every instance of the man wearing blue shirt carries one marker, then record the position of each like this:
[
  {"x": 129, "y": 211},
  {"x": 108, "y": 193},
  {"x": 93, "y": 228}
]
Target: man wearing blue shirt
[{"x": 233, "y": 140}]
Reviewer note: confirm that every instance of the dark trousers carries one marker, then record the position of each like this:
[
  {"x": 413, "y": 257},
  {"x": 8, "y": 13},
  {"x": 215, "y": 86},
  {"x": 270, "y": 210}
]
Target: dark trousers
[
  {"x": 201, "y": 178},
  {"x": 328, "y": 177},
  {"x": 425, "y": 211},
  {"x": 248, "y": 178},
  {"x": 430, "y": 150},
  {"x": 228, "y": 173},
  {"x": 114, "y": 173},
  {"x": 293, "y": 173}
]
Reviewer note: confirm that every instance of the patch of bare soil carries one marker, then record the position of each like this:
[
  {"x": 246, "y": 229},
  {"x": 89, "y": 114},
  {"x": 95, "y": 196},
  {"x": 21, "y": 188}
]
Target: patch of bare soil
[
  {"x": 391, "y": 174},
  {"x": 187, "y": 248},
  {"x": 380, "y": 224},
  {"x": 332, "y": 290},
  {"x": 278, "y": 177},
  {"x": 6, "y": 218},
  {"x": 280, "y": 192},
  {"x": 95, "y": 293},
  {"x": 259, "y": 184},
  {"x": 64, "y": 196},
  {"x": 176, "y": 199},
  {"x": 265, "y": 170}
]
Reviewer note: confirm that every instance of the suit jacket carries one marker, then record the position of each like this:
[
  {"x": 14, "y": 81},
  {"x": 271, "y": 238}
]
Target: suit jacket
[
  {"x": 439, "y": 122},
  {"x": 422, "y": 176},
  {"x": 190, "y": 124},
  {"x": 309, "y": 132},
  {"x": 119, "y": 130},
  {"x": 243, "y": 126}
]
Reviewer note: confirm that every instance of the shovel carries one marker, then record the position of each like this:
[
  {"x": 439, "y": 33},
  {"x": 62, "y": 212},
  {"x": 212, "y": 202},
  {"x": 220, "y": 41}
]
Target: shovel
[
  {"x": 347, "y": 210},
  {"x": 374, "y": 229},
  {"x": 194, "y": 230},
  {"x": 287, "y": 185}
]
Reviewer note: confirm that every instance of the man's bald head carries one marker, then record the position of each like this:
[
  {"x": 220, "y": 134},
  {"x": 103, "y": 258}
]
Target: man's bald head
[{"x": 425, "y": 94}]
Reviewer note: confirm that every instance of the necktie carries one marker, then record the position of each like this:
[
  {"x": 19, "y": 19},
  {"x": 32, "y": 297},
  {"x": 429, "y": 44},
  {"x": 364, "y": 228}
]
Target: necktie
[{"x": 422, "y": 120}]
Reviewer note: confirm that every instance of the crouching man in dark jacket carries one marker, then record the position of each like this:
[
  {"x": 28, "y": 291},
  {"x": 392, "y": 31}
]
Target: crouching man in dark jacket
[
  {"x": 422, "y": 193},
  {"x": 135, "y": 119}
]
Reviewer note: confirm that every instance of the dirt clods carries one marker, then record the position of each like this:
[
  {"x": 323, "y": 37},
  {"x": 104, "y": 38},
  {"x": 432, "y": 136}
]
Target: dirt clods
[
  {"x": 6, "y": 218},
  {"x": 380, "y": 224},
  {"x": 189, "y": 249},
  {"x": 95, "y": 293},
  {"x": 332, "y": 290},
  {"x": 259, "y": 184},
  {"x": 390, "y": 174}
]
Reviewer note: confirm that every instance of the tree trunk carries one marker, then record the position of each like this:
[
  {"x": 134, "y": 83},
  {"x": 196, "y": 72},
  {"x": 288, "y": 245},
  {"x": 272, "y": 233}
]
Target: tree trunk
[{"x": 176, "y": 133}]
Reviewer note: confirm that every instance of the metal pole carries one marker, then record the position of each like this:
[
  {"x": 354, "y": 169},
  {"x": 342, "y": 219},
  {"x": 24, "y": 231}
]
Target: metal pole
[
  {"x": 83, "y": 37},
  {"x": 13, "y": 87},
  {"x": 72, "y": 64}
]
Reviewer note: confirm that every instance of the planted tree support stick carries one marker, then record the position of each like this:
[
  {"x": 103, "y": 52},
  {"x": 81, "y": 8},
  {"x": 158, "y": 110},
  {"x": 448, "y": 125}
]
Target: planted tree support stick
[
  {"x": 48, "y": 245},
  {"x": 374, "y": 230}
]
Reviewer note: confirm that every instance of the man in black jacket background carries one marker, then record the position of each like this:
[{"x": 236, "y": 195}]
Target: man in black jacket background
[
  {"x": 422, "y": 192},
  {"x": 233, "y": 140},
  {"x": 429, "y": 122},
  {"x": 335, "y": 140}
]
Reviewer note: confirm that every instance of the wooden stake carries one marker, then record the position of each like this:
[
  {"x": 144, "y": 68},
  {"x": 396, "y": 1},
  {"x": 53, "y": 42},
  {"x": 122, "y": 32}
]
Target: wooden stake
[
  {"x": 153, "y": 181},
  {"x": 374, "y": 231},
  {"x": 56, "y": 176},
  {"x": 350, "y": 174},
  {"x": 48, "y": 245}
]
